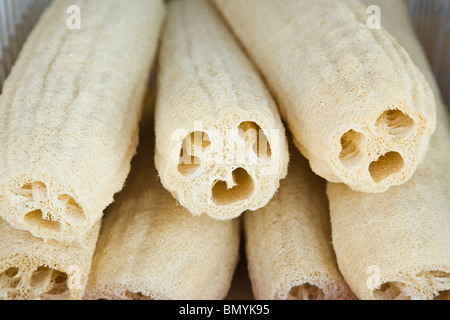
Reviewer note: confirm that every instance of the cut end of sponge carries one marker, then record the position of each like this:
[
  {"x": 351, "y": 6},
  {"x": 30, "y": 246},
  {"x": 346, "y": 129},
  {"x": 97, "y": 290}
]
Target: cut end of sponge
[
  {"x": 226, "y": 168},
  {"x": 385, "y": 153},
  {"x": 37, "y": 207},
  {"x": 427, "y": 285}
]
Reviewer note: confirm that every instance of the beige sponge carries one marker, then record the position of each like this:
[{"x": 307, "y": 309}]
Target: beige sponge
[
  {"x": 395, "y": 245},
  {"x": 288, "y": 242},
  {"x": 69, "y": 114},
  {"x": 150, "y": 248},
  {"x": 32, "y": 268},
  {"x": 358, "y": 108},
  {"x": 220, "y": 144}
]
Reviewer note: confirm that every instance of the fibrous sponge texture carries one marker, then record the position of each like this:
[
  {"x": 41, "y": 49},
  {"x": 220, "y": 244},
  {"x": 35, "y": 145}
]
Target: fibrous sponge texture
[
  {"x": 220, "y": 144},
  {"x": 152, "y": 248},
  {"x": 359, "y": 109},
  {"x": 69, "y": 114},
  {"x": 288, "y": 242},
  {"x": 395, "y": 245}
]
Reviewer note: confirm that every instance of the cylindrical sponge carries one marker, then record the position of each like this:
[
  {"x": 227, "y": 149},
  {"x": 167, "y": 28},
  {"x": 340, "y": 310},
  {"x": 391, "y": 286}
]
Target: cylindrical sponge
[
  {"x": 395, "y": 245},
  {"x": 220, "y": 144},
  {"x": 69, "y": 114},
  {"x": 358, "y": 108}
]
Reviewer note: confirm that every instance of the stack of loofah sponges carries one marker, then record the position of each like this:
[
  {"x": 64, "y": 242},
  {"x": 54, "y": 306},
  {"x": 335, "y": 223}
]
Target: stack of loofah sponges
[{"x": 213, "y": 155}]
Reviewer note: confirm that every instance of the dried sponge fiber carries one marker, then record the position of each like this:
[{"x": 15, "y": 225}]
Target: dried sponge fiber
[
  {"x": 220, "y": 144},
  {"x": 150, "y": 248},
  {"x": 35, "y": 269},
  {"x": 359, "y": 109},
  {"x": 288, "y": 242},
  {"x": 69, "y": 114},
  {"x": 395, "y": 245}
]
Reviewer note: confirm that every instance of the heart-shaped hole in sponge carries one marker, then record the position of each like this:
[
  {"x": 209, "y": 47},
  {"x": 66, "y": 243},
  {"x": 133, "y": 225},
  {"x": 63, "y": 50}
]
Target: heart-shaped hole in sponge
[{"x": 242, "y": 189}]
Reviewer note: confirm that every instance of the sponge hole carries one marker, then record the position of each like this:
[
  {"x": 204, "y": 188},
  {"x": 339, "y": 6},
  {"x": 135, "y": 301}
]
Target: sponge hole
[
  {"x": 443, "y": 295},
  {"x": 192, "y": 149},
  {"x": 243, "y": 188},
  {"x": 351, "y": 153},
  {"x": 442, "y": 283},
  {"x": 27, "y": 190},
  {"x": 9, "y": 278},
  {"x": 41, "y": 274},
  {"x": 196, "y": 142},
  {"x": 58, "y": 283},
  {"x": 34, "y": 185},
  {"x": 252, "y": 133},
  {"x": 390, "y": 291},
  {"x": 73, "y": 209},
  {"x": 49, "y": 281},
  {"x": 11, "y": 272},
  {"x": 306, "y": 292},
  {"x": 35, "y": 218},
  {"x": 136, "y": 295},
  {"x": 396, "y": 123},
  {"x": 386, "y": 165},
  {"x": 188, "y": 165}
]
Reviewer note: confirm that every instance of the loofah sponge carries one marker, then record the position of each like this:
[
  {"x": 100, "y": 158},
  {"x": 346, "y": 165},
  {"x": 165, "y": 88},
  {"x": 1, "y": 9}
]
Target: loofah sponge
[
  {"x": 220, "y": 144},
  {"x": 69, "y": 114},
  {"x": 35, "y": 269},
  {"x": 395, "y": 245},
  {"x": 288, "y": 242},
  {"x": 360, "y": 111},
  {"x": 150, "y": 248}
]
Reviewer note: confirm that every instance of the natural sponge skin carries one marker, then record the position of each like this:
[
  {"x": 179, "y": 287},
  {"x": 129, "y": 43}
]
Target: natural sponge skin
[
  {"x": 358, "y": 108},
  {"x": 288, "y": 242},
  {"x": 170, "y": 254},
  {"x": 32, "y": 268},
  {"x": 220, "y": 144},
  {"x": 69, "y": 114},
  {"x": 395, "y": 245}
]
